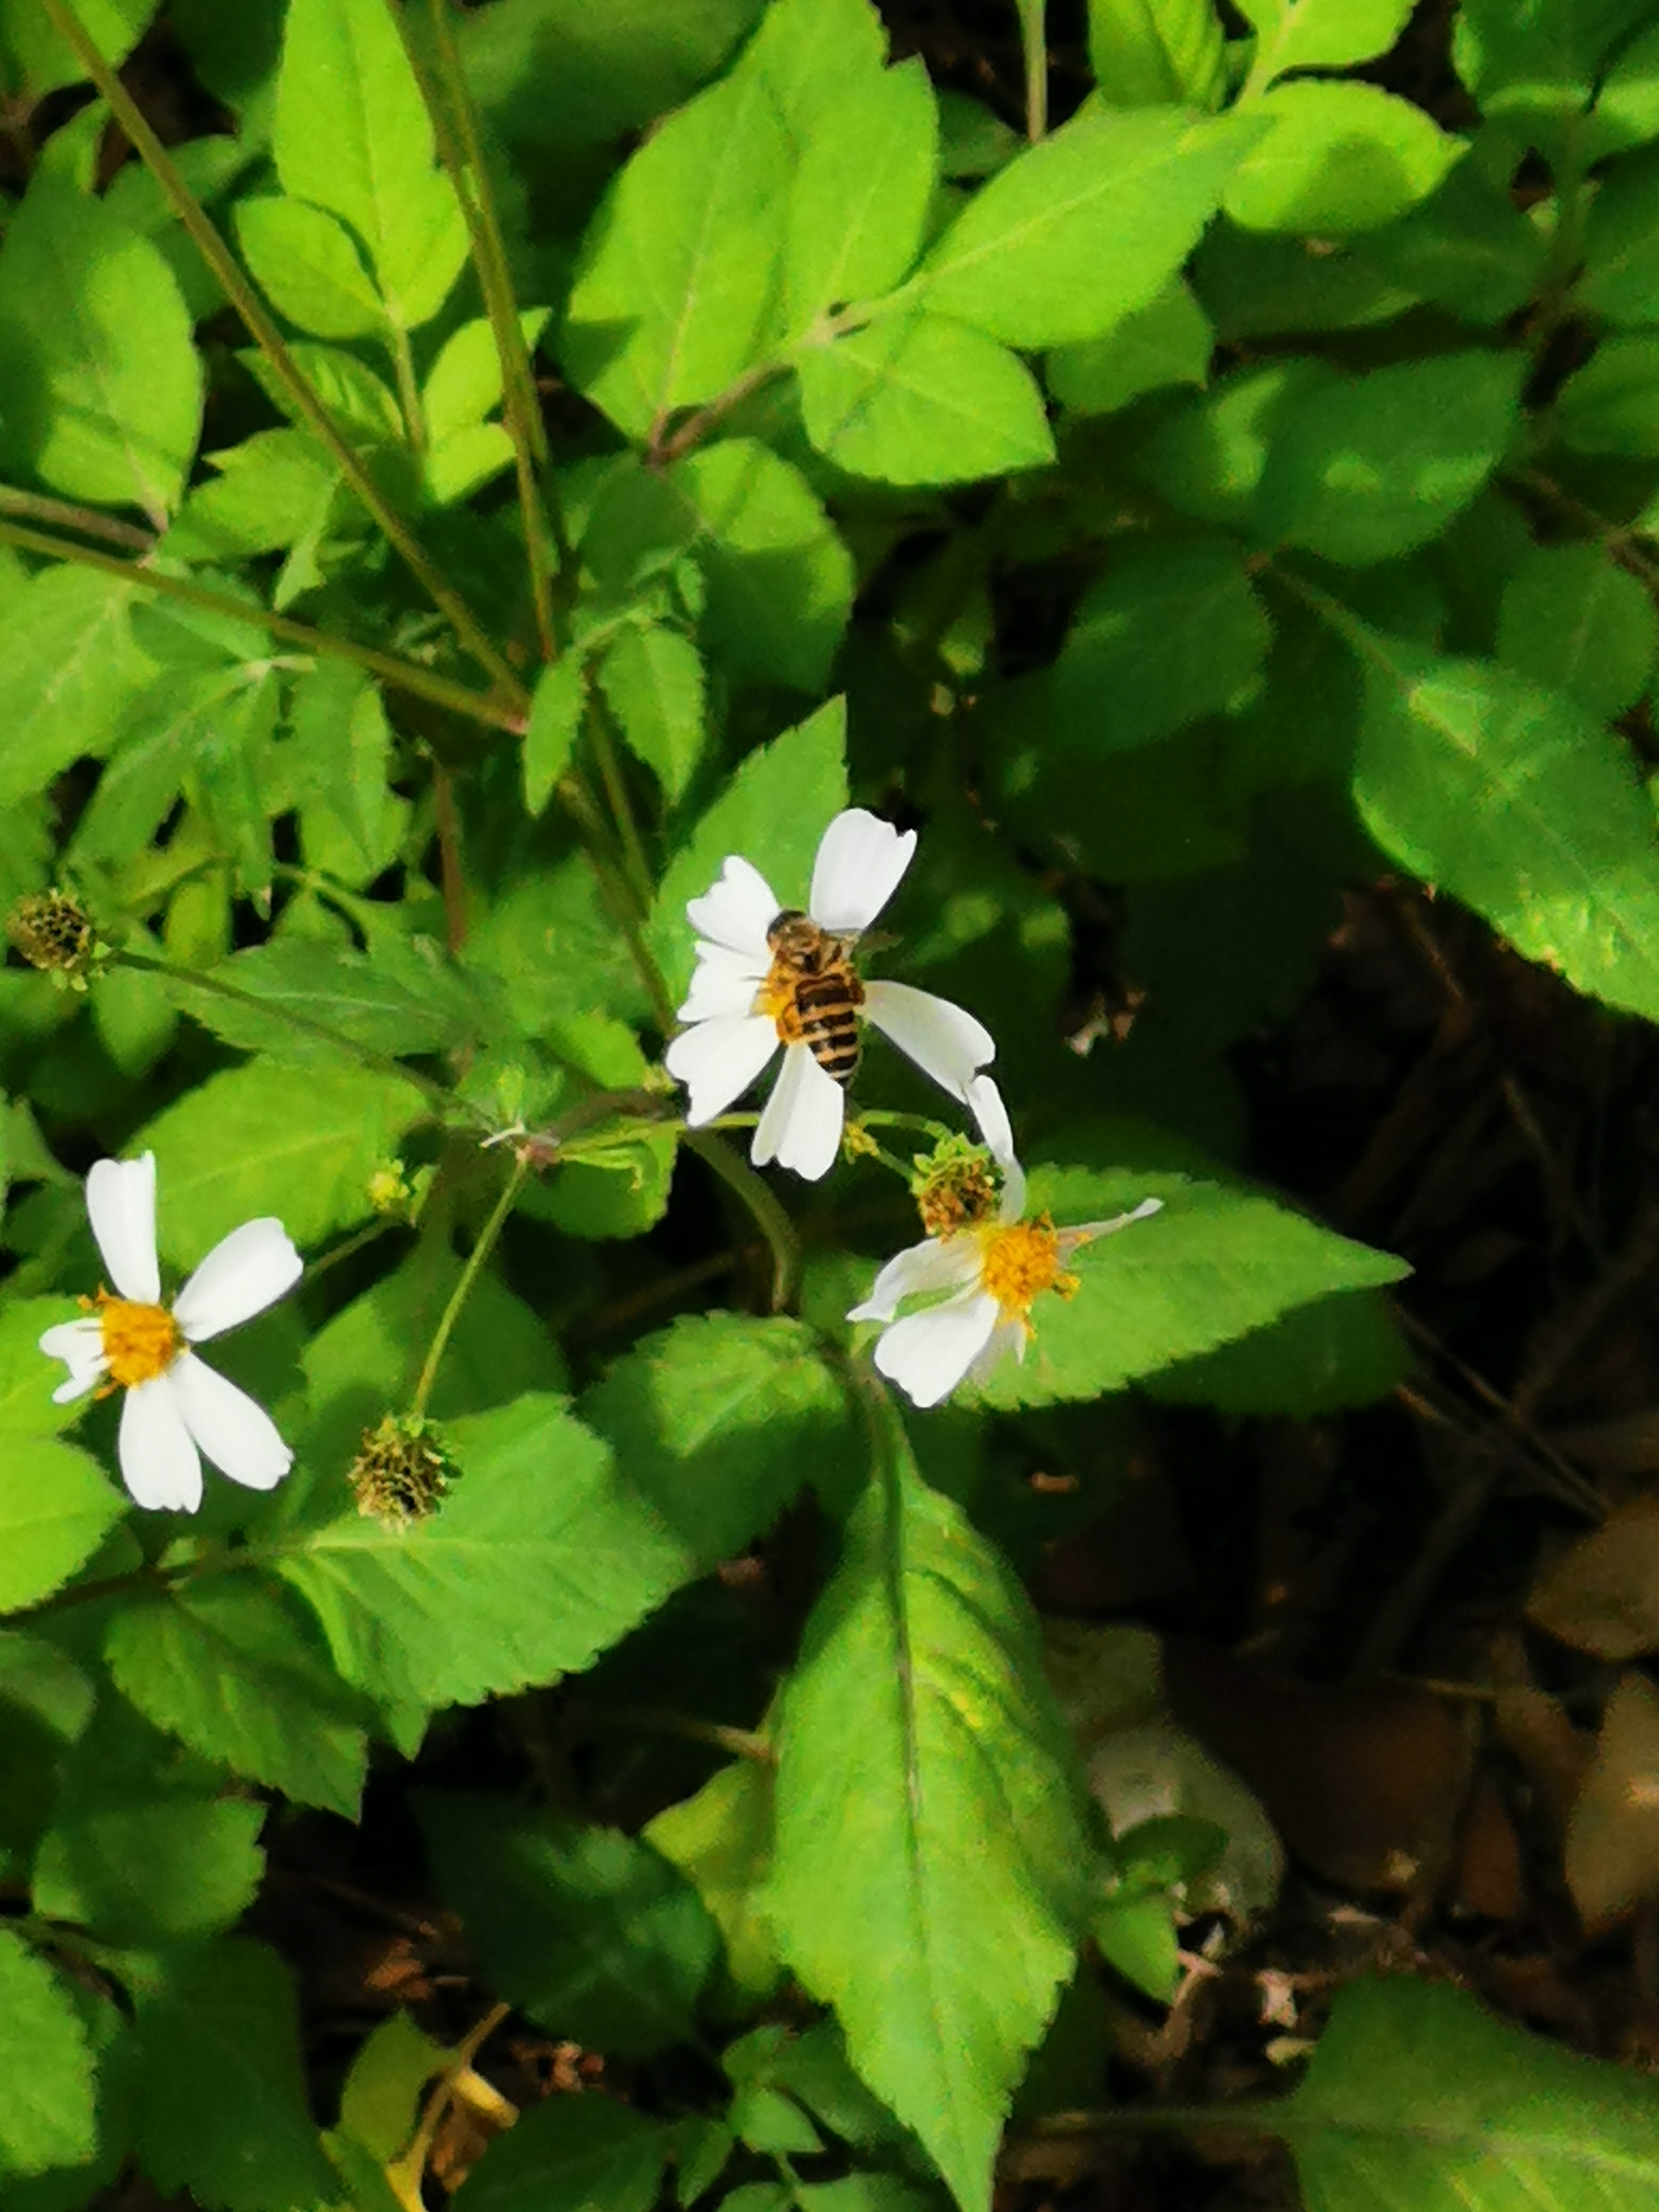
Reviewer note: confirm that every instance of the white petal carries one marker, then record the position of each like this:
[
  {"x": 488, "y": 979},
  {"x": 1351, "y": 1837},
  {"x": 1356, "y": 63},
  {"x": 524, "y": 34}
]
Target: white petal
[
  {"x": 244, "y": 1274},
  {"x": 80, "y": 1346},
  {"x": 927, "y": 1354},
  {"x": 1007, "y": 1336},
  {"x": 121, "y": 1206},
  {"x": 722, "y": 983},
  {"x": 717, "y": 1060},
  {"x": 944, "y": 1041},
  {"x": 158, "y": 1461},
  {"x": 860, "y": 863},
  {"x": 801, "y": 1127},
  {"x": 937, "y": 1264},
  {"x": 237, "y": 1435},
  {"x": 1071, "y": 1239},
  {"x": 737, "y": 910},
  {"x": 984, "y": 1102}
]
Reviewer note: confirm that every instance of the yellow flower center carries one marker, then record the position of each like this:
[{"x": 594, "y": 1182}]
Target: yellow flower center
[
  {"x": 1019, "y": 1262},
  {"x": 139, "y": 1342}
]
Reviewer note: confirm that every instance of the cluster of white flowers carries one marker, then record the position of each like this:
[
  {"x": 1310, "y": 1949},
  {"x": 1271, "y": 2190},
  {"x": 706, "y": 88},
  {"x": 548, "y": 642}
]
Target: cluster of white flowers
[{"x": 981, "y": 1266}]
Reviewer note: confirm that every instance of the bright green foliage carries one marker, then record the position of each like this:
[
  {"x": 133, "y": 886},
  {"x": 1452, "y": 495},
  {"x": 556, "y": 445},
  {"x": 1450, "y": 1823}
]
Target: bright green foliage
[
  {"x": 1566, "y": 871},
  {"x": 1319, "y": 34},
  {"x": 721, "y": 1841},
  {"x": 55, "y": 1505},
  {"x": 921, "y": 399},
  {"x": 1574, "y": 623},
  {"x": 232, "y": 1672},
  {"x": 653, "y": 682},
  {"x": 36, "y": 60},
  {"x": 1169, "y": 342},
  {"x": 45, "y": 2087},
  {"x": 95, "y": 351},
  {"x": 934, "y": 1899},
  {"x": 1337, "y": 158},
  {"x": 69, "y": 664},
  {"x": 309, "y": 268},
  {"x": 353, "y": 138},
  {"x": 1156, "y": 53},
  {"x": 1417, "y": 2095},
  {"x": 220, "y": 2096},
  {"x": 1080, "y": 231},
  {"x": 595, "y": 1933},
  {"x": 861, "y": 192}
]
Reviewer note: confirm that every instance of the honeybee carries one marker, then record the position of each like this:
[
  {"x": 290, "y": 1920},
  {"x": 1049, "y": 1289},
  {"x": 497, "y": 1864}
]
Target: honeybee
[{"x": 813, "y": 992}]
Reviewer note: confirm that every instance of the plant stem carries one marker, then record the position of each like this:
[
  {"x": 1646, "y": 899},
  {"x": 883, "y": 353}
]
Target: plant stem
[
  {"x": 404, "y": 2175},
  {"x": 622, "y": 811},
  {"x": 37, "y": 508},
  {"x": 409, "y": 391},
  {"x": 1034, "y": 38},
  {"x": 463, "y": 1289},
  {"x": 462, "y": 151},
  {"x": 383, "y": 1063},
  {"x": 402, "y": 675},
  {"x": 757, "y": 1195},
  {"x": 271, "y": 342}
]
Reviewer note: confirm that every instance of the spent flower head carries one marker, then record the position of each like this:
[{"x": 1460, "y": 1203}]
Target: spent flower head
[
  {"x": 767, "y": 976},
  {"x": 401, "y": 1473},
  {"x": 176, "y": 1408},
  {"x": 51, "y": 930}
]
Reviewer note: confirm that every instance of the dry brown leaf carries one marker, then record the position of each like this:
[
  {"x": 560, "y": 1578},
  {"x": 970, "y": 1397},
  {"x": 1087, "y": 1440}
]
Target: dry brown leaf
[
  {"x": 1612, "y": 1838},
  {"x": 1602, "y": 1595}
]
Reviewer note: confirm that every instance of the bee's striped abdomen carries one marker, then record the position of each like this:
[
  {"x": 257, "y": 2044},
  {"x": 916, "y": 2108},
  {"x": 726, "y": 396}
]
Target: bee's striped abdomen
[{"x": 826, "y": 1010}]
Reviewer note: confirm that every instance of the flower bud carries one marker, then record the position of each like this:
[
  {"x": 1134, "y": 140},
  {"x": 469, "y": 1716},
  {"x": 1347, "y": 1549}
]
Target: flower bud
[
  {"x": 51, "y": 931},
  {"x": 955, "y": 1185},
  {"x": 401, "y": 1474}
]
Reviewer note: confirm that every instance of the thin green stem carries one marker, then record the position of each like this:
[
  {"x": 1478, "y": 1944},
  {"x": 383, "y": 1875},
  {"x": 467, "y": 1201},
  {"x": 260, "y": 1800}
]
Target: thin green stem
[
  {"x": 883, "y": 1117},
  {"x": 463, "y": 1289},
  {"x": 625, "y": 906},
  {"x": 1034, "y": 38},
  {"x": 66, "y": 516},
  {"x": 408, "y": 390},
  {"x": 757, "y": 1195},
  {"x": 383, "y": 1063},
  {"x": 461, "y": 148},
  {"x": 271, "y": 342},
  {"x": 402, "y": 675},
  {"x": 637, "y": 866}
]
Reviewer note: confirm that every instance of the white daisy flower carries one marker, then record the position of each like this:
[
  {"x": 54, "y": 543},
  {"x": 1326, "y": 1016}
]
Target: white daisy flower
[
  {"x": 993, "y": 1269},
  {"x": 768, "y": 976},
  {"x": 175, "y": 1402}
]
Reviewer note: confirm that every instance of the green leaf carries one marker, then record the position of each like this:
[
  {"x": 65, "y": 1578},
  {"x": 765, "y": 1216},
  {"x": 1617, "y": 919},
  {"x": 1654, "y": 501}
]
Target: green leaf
[
  {"x": 1535, "y": 63},
  {"x": 27, "y": 1409},
  {"x": 103, "y": 384},
  {"x": 780, "y": 580},
  {"x": 208, "y": 730},
  {"x": 1517, "y": 802},
  {"x": 1157, "y": 53},
  {"x": 56, "y": 1507},
  {"x": 261, "y": 1139},
  {"x": 379, "y": 2100},
  {"x": 1251, "y": 282},
  {"x": 1626, "y": 112},
  {"x": 1467, "y": 247},
  {"x": 46, "y": 2067},
  {"x": 464, "y": 384},
  {"x": 1370, "y": 466},
  {"x": 591, "y": 1932},
  {"x": 653, "y": 682},
  {"x": 919, "y": 399},
  {"x": 1417, "y": 2095},
  {"x": 351, "y": 823},
  {"x": 38, "y": 60},
  {"x": 403, "y": 998},
  {"x": 1621, "y": 273},
  {"x": 1338, "y": 158},
  {"x": 1319, "y": 34},
  {"x": 773, "y": 812},
  {"x": 1575, "y": 621},
  {"x": 308, "y": 268},
  {"x": 1611, "y": 405},
  {"x": 541, "y": 1556},
  {"x": 721, "y": 1840},
  {"x": 68, "y": 667},
  {"x": 1218, "y": 1261},
  {"x": 861, "y": 195},
  {"x": 353, "y": 136},
  {"x": 273, "y": 489},
  {"x": 571, "y": 2154},
  {"x": 221, "y": 2094},
  {"x": 1317, "y": 1359},
  {"x": 1168, "y": 342},
  {"x": 142, "y": 1848},
  {"x": 1081, "y": 230},
  {"x": 808, "y": 54},
  {"x": 1171, "y": 631},
  {"x": 556, "y": 706},
  {"x": 719, "y": 1420},
  {"x": 674, "y": 291},
  {"x": 228, "y": 1667},
  {"x": 363, "y": 405},
  {"x": 931, "y": 1859}
]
